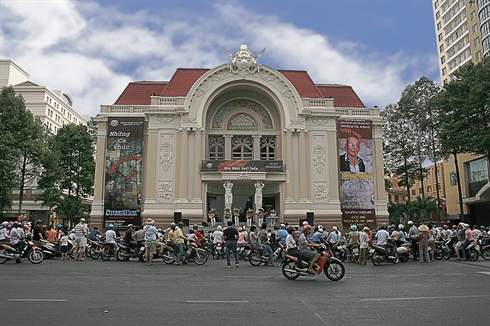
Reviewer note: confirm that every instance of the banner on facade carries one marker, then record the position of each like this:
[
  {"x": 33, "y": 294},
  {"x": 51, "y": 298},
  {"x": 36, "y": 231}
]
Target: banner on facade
[
  {"x": 123, "y": 172},
  {"x": 242, "y": 166},
  {"x": 356, "y": 172}
]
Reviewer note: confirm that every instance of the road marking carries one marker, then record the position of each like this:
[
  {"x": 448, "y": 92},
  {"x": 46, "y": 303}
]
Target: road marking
[
  {"x": 487, "y": 273},
  {"x": 39, "y": 300},
  {"x": 218, "y": 301},
  {"x": 427, "y": 298}
]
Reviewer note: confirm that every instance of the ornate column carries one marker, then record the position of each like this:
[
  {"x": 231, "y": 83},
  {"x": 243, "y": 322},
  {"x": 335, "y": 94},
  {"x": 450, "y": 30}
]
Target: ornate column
[
  {"x": 288, "y": 160},
  {"x": 228, "y": 138},
  {"x": 184, "y": 145},
  {"x": 198, "y": 146},
  {"x": 303, "y": 170},
  {"x": 256, "y": 149},
  {"x": 258, "y": 195}
]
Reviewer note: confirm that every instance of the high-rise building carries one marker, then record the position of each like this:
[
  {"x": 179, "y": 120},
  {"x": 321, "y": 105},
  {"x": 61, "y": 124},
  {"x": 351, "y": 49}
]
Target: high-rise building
[
  {"x": 460, "y": 25},
  {"x": 54, "y": 108}
]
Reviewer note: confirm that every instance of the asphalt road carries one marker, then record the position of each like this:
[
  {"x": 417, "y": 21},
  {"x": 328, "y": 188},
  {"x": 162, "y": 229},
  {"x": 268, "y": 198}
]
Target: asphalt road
[{"x": 67, "y": 292}]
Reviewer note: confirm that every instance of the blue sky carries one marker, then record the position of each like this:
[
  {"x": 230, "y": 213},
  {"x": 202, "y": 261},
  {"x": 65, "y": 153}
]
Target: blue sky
[{"x": 93, "y": 49}]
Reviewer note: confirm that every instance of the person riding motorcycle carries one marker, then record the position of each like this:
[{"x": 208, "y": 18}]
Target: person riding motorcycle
[
  {"x": 383, "y": 237},
  {"x": 353, "y": 239},
  {"x": 305, "y": 245},
  {"x": 129, "y": 239},
  {"x": 110, "y": 237},
  {"x": 334, "y": 237}
]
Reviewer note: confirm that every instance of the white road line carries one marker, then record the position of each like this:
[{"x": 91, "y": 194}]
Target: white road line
[
  {"x": 427, "y": 298},
  {"x": 39, "y": 300},
  {"x": 487, "y": 273},
  {"x": 218, "y": 301}
]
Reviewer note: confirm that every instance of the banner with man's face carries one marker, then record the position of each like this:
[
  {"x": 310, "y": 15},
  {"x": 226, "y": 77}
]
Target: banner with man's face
[
  {"x": 356, "y": 172},
  {"x": 123, "y": 172}
]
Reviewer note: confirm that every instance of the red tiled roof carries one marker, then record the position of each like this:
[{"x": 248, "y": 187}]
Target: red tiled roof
[
  {"x": 182, "y": 81},
  {"x": 140, "y": 92},
  {"x": 184, "y": 78},
  {"x": 344, "y": 96},
  {"x": 302, "y": 82}
]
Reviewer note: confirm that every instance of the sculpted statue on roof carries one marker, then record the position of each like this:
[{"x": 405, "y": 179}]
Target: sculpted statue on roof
[{"x": 244, "y": 61}]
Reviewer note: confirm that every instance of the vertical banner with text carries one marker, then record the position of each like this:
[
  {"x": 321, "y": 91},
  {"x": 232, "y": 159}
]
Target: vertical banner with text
[
  {"x": 123, "y": 172},
  {"x": 356, "y": 172}
]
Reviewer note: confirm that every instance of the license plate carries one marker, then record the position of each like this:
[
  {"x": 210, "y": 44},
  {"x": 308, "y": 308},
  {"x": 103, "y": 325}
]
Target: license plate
[{"x": 371, "y": 251}]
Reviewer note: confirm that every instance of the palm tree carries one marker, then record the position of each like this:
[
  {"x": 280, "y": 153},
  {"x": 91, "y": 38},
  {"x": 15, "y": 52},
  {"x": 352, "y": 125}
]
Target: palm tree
[{"x": 424, "y": 207}]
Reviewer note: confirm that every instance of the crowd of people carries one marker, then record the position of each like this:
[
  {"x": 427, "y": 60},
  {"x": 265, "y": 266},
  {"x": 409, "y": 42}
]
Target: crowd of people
[{"x": 298, "y": 241}]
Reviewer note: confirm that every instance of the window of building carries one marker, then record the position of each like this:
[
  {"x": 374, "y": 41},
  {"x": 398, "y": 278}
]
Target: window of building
[
  {"x": 473, "y": 14},
  {"x": 478, "y": 55},
  {"x": 216, "y": 147},
  {"x": 475, "y": 28},
  {"x": 242, "y": 147},
  {"x": 436, "y": 4},
  {"x": 444, "y": 71},
  {"x": 476, "y": 175},
  {"x": 441, "y": 48},
  {"x": 429, "y": 188},
  {"x": 443, "y": 59},
  {"x": 414, "y": 192},
  {"x": 477, "y": 41},
  {"x": 268, "y": 148},
  {"x": 440, "y": 37},
  {"x": 439, "y": 26},
  {"x": 438, "y": 15}
]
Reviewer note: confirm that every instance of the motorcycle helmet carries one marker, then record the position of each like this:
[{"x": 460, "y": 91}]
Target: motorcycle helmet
[
  {"x": 180, "y": 224},
  {"x": 384, "y": 226},
  {"x": 401, "y": 226},
  {"x": 60, "y": 226},
  {"x": 482, "y": 227},
  {"x": 353, "y": 228},
  {"x": 130, "y": 226},
  {"x": 240, "y": 229},
  {"x": 306, "y": 227},
  {"x": 191, "y": 230},
  {"x": 392, "y": 226},
  {"x": 5, "y": 223},
  {"x": 39, "y": 222},
  {"x": 334, "y": 228},
  {"x": 410, "y": 223},
  {"x": 111, "y": 226}
]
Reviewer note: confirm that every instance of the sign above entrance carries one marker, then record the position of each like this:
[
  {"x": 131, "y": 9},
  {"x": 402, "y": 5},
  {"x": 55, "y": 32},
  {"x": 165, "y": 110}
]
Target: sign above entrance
[{"x": 242, "y": 166}]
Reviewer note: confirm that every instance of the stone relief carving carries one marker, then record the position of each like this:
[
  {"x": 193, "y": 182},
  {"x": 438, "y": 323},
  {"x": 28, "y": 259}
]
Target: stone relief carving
[
  {"x": 166, "y": 156},
  {"x": 284, "y": 92},
  {"x": 320, "y": 191},
  {"x": 242, "y": 122},
  {"x": 244, "y": 176},
  {"x": 320, "y": 121},
  {"x": 234, "y": 105},
  {"x": 188, "y": 119},
  {"x": 319, "y": 158},
  {"x": 165, "y": 191},
  {"x": 266, "y": 76},
  {"x": 165, "y": 119},
  {"x": 298, "y": 120}
]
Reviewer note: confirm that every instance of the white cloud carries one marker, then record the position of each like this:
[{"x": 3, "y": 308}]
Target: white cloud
[{"x": 92, "y": 52}]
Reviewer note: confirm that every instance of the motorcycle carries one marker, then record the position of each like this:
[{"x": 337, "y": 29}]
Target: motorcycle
[
  {"x": 255, "y": 257},
  {"x": 404, "y": 252},
  {"x": 332, "y": 267},
  {"x": 338, "y": 250},
  {"x": 93, "y": 249},
  {"x": 52, "y": 249},
  {"x": 26, "y": 249},
  {"x": 472, "y": 251},
  {"x": 124, "y": 252},
  {"x": 192, "y": 254},
  {"x": 379, "y": 254},
  {"x": 243, "y": 251},
  {"x": 484, "y": 249},
  {"x": 442, "y": 250},
  {"x": 218, "y": 251}
]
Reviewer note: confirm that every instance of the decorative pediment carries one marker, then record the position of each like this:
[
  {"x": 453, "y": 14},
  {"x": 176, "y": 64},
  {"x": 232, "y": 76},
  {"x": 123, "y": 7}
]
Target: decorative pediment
[
  {"x": 242, "y": 122},
  {"x": 243, "y": 105}
]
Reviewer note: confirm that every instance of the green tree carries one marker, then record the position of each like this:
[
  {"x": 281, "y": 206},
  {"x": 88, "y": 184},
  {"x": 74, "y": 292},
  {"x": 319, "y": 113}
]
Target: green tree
[
  {"x": 16, "y": 137},
  {"x": 68, "y": 175},
  {"x": 464, "y": 110},
  {"x": 424, "y": 207}
]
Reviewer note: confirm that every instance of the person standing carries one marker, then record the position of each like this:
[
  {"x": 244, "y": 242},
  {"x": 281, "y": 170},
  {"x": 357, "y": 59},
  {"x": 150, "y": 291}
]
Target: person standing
[
  {"x": 248, "y": 216},
  {"x": 151, "y": 233},
  {"x": 36, "y": 232},
  {"x": 236, "y": 215},
  {"x": 212, "y": 216},
  {"x": 363, "y": 245},
  {"x": 81, "y": 233},
  {"x": 423, "y": 240},
  {"x": 413, "y": 234},
  {"x": 230, "y": 234},
  {"x": 469, "y": 238},
  {"x": 51, "y": 234},
  {"x": 64, "y": 245},
  {"x": 260, "y": 216},
  {"x": 179, "y": 240}
]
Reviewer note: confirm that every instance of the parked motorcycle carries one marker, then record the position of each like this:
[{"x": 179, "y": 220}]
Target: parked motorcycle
[
  {"x": 472, "y": 251},
  {"x": 442, "y": 250},
  {"x": 379, "y": 254},
  {"x": 192, "y": 254},
  {"x": 218, "y": 251},
  {"x": 52, "y": 249},
  {"x": 256, "y": 258},
  {"x": 338, "y": 250},
  {"x": 26, "y": 249},
  {"x": 484, "y": 249},
  {"x": 124, "y": 252},
  {"x": 404, "y": 252},
  {"x": 332, "y": 267}
]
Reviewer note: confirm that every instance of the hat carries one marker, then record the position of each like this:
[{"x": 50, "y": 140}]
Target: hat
[
  {"x": 130, "y": 225},
  {"x": 240, "y": 229},
  {"x": 236, "y": 209},
  {"x": 410, "y": 223},
  {"x": 423, "y": 228},
  {"x": 261, "y": 209},
  {"x": 249, "y": 210},
  {"x": 82, "y": 220},
  {"x": 150, "y": 221}
]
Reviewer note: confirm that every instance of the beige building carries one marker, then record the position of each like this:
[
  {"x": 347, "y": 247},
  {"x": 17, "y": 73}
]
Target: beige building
[
  {"x": 53, "y": 107},
  {"x": 459, "y": 33},
  {"x": 242, "y": 136}
]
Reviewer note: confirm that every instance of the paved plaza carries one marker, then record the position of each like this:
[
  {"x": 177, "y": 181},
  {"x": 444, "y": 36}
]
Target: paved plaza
[{"x": 129, "y": 293}]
